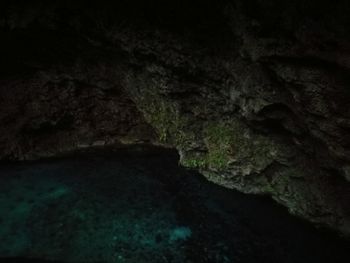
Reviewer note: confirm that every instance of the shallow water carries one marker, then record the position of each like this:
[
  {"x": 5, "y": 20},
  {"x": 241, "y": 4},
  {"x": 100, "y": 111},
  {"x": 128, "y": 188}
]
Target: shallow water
[{"x": 137, "y": 205}]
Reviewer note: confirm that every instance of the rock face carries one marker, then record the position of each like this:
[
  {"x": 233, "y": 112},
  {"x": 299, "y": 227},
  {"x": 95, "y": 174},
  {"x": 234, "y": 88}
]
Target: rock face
[
  {"x": 254, "y": 94},
  {"x": 55, "y": 111}
]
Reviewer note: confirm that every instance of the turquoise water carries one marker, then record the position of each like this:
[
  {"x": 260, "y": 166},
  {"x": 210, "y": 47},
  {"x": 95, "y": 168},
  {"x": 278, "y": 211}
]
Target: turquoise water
[{"x": 138, "y": 205}]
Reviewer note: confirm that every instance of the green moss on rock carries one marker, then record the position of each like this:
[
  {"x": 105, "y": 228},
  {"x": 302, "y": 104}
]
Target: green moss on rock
[
  {"x": 219, "y": 139},
  {"x": 231, "y": 146},
  {"x": 198, "y": 163},
  {"x": 169, "y": 124}
]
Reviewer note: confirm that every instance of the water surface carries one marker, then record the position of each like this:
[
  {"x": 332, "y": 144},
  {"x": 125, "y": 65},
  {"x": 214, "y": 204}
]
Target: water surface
[{"x": 137, "y": 205}]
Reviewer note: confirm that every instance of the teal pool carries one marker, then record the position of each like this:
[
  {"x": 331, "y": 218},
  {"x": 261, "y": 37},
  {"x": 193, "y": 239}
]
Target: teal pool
[{"x": 138, "y": 205}]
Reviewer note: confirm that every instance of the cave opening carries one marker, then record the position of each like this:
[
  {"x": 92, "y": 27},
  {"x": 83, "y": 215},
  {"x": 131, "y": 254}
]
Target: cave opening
[{"x": 136, "y": 204}]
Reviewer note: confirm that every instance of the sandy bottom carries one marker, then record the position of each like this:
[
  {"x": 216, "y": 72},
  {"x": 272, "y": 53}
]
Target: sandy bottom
[{"x": 138, "y": 206}]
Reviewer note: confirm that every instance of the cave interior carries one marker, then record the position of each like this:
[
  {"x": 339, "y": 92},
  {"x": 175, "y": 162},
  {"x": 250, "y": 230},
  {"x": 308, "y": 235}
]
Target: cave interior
[{"x": 175, "y": 131}]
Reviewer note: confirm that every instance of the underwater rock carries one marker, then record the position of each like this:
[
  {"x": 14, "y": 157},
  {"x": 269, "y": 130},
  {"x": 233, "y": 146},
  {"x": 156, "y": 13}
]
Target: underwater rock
[{"x": 180, "y": 233}]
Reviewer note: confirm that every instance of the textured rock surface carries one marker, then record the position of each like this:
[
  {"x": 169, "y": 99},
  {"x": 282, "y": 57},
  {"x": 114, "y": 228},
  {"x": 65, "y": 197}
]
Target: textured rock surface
[
  {"x": 52, "y": 112},
  {"x": 254, "y": 94}
]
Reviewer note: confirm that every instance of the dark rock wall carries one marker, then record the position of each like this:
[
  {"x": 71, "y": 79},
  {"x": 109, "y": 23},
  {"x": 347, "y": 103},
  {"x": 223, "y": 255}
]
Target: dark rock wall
[
  {"x": 53, "y": 112},
  {"x": 254, "y": 94}
]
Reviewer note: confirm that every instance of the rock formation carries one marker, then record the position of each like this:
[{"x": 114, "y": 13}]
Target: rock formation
[{"x": 254, "y": 94}]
